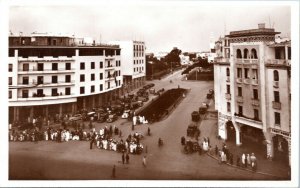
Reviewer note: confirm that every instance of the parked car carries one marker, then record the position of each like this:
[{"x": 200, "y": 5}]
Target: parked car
[
  {"x": 202, "y": 109},
  {"x": 136, "y": 104},
  {"x": 76, "y": 117},
  {"x": 152, "y": 91},
  {"x": 195, "y": 116},
  {"x": 111, "y": 118}
]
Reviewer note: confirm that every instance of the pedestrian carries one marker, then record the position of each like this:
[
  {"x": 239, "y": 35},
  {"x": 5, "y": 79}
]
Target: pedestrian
[
  {"x": 182, "y": 140},
  {"x": 246, "y": 162},
  {"x": 144, "y": 161},
  {"x": 91, "y": 144},
  {"x": 208, "y": 141},
  {"x": 216, "y": 150},
  {"x": 231, "y": 159},
  {"x": 120, "y": 133},
  {"x": 148, "y": 131},
  {"x": 238, "y": 161},
  {"x": 114, "y": 172},
  {"x": 243, "y": 159},
  {"x": 127, "y": 158},
  {"x": 123, "y": 158}
]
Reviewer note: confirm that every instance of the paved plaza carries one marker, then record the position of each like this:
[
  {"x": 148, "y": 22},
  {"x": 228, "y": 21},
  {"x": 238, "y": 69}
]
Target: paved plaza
[{"x": 49, "y": 160}]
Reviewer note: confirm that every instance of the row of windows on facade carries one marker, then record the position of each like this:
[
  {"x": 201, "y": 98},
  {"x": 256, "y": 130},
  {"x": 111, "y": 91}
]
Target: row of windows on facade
[
  {"x": 40, "y": 67},
  {"x": 138, "y": 69},
  {"x": 256, "y": 113},
  {"x": 109, "y": 64},
  {"x": 138, "y": 61},
  {"x": 92, "y": 88},
  {"x": 138, "y": 54},
  {"x": 246, "y": 54},
  {"x": 255, "y": 93},
  {"x": 254, "y": 73},
  {"x": 57, "y": 52},
  {"x": 40, "y": 93},
  {"x": 109, "y": 75},
  {"x": 138, "y": 47}
]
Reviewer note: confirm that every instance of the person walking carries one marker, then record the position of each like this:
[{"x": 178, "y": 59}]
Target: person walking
[
  {"x": 246, "y": 162},
  {"x": 149, "y": 131},
  {"x": 238, "y": 160},
  {"x": 123, "y": 158},
  {"x": 113, "y": 175},
  {"x": 144, "y": 161},
  {"x": 127, "y": 158},
  {"x": 243, "y": 159}
]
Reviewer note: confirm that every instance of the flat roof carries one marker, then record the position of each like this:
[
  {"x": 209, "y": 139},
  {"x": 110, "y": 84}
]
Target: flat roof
[{"x": 253, "y": 32}]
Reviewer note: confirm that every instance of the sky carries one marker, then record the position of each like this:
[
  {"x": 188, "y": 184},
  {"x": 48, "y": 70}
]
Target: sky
[{"x": 188, "y": 26}]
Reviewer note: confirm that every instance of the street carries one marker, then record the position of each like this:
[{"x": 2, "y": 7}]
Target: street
[{"x": 74, "y": 160}]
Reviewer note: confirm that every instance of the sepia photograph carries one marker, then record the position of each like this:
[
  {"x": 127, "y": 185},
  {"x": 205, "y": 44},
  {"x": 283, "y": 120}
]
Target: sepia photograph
[{"x": 122, "y": 91}]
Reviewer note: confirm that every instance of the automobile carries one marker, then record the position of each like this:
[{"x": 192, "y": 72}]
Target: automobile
[
  {"x": 76, "y": 117},
  {"x": 144, "y": 99},
  {"x": 118, "y": 109},
  {"x": 125, "y": 114},
  {"x": 111, "y": 118},
  {"x": 151, "y": 85},
  {"x": 152, "y": 91},
  {"x": 202, "y": 109},
  {"x": 195, "y": 116},
  {"x": 136, "y": 104}
]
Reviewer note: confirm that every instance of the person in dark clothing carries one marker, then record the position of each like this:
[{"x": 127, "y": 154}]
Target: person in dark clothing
[
  {"x": 114, "y": 172},
  {"x": 91, "y": 144},
  {"x": 148, "y": 131},
  {"x": 231, "y": 159},
  {"x": 123, "y": 158},
  {"x": 182, "y": 140},
  {"x": 246, "y": 162},
  {"x": 127, "y": 158}
]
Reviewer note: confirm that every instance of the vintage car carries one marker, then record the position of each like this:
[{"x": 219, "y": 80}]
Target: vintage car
[
  {"x": 111, "y": 118},
  {"x": 76, "y": 117},
  {"x": 195, "y": 116}
]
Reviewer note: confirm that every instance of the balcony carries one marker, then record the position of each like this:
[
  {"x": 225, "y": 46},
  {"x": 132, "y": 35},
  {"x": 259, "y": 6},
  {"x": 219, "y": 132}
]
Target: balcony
[
  {"x": 239, "y": 99},
  {"x": 255, "y": 102},
  {"x": 240, "y": 61},
  {"x": 222, "y": 60},
  {"x": 247, "y": 81},
  {"x": 227, "y": 79},
  {"x": 44, "y": 97},
  {"x": 275, "y": 84},
  {"x": 45, "y": 84},
  {"x": 254, "y": 82},
  {"x": 110, "y": 66},
  {"x": 228, "y": 96},
  {"x": 279, "y": 62},
  {"x": 239, "y": 80},
  {"x": 276, "y": 105},
  {"x": 44, "y": 71},
  {"x": 46, "y": 59}
]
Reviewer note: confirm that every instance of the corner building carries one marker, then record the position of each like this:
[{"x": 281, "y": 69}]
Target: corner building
[
  {"x": 50, "y": 75},
  {"x": 252, "y": 91}
]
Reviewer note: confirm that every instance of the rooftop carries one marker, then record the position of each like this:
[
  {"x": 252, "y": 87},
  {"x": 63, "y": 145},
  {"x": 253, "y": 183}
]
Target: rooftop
[{"x": 251, "y": 32}]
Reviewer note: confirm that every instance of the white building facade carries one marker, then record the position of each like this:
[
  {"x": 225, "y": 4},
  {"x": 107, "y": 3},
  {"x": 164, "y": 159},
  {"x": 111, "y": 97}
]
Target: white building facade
[
  {"x": 51, "y": 75},
  {"x": 252, "y": 90}
]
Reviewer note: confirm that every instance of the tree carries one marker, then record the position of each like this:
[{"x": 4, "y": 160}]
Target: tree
[{"x": 173, "y": 59}]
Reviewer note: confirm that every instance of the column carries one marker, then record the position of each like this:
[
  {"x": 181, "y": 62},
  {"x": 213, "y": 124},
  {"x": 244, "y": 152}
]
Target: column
[
  {"x": 270, "y": 144},
  {"x": 286, "y": 53},
  {"x": 84, "y": 102},
  {"x": 237, "y": 134},
  {"x": 46, "y": 110},
  {"x": 31, "y": 113},
  {"x": 73, "y": 108},
  {"x": 60, "y": 109},
  {"x": 93, "y": 101},
  {"x": 15, "y": 114}
]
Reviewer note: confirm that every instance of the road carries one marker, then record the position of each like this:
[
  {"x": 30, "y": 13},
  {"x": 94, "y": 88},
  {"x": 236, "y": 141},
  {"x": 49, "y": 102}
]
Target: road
[{"x": 74, "y": 160}]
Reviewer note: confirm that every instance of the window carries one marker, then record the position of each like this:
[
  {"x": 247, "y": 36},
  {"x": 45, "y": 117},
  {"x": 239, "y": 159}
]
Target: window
[
  {"x": 82, "y": 66},
  {"x": 276, "y": 96},
  {"x": 239, "y": 91},
  {"x": 134, "y": 62},
  {"x": 254, "y": 74},
  {"x": 24, "y": 93},
  {"x": 101, "y": 76},
  {"x": 67, "y": 91},
  {"x": 9, "y": 94},
  {"x": 81, "y": 90},
  {"x": 276, "y": 75},
  {"x": 9, "y": 80},
  {"x": 246, "y": 53},
  {"x": 40, "y": 80},
  {"x": 238, "y": 53},
  {"x": 92, "y": 77},
  {"x": 26, "y": 67},
  {"x": 54, "y": 92},
  {"x": 68, "y": 66},
  {"x": 255, "y": 94},
  {"x": 68, "y": 78},
  {"x": 82, "y": 78},
  {"x": 256, "y": 116},
  {"x": 25, "y": 80},
  {"x": 227, "y": 72},
  {"x": 54, "y": 79},
  {"x": 101, "y": 64},
  {"x": 54, "y": 66},
  {"x": 10, "y": 67},
  {"x": 92, "y": 89},
  {"x": 239, "y": 72},
  {"x": 101, "y": 87},
  {"x": 246, "y": 73},
  {"x": 228, "y": 107},
  {"x": 40, "y": 66},
  {"x": 240, "y": 110},
  {"x": 40, "y": 93},
  {"x": 277, "y": 118},
  {"x": 253, "y": 54},
  {"x": 92, "y": 65}
]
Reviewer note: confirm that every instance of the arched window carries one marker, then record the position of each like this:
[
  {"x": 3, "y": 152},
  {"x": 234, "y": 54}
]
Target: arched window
[
  {"x": 276, "y": 75},
  {"x": 227, "y": 72},
  {"x": 238, "y": 53},
  {"x": 253, "y": 54},
  {"x": 246, "y": 54}
]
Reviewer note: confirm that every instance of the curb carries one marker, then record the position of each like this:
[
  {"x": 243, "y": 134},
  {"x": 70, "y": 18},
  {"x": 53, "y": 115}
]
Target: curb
[{"x": 263, "y": 173}]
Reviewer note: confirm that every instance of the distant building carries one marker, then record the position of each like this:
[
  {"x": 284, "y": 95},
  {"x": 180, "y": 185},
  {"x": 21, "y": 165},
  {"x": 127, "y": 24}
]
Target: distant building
[
  {"x": 252, "y": 90},
  {"x": 184, "y": 60},
  {"x": 161, "y": 55},
  {"x": 53, "y": 75}
]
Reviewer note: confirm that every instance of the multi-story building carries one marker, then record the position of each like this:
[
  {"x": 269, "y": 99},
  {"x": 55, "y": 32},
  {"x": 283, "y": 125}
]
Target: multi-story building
[
  {"x": 133, "y": 63},
  {"x": 51, "y": 74},
  {"x": 252, "y": 90}
]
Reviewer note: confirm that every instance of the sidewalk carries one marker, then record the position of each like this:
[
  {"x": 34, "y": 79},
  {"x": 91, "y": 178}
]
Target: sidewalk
[{"x": 209, "y": 128}]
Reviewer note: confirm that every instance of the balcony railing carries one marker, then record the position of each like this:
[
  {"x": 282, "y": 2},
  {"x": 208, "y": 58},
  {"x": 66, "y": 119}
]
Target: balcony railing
[
  {"x": 239, "y": 80},
  {"x": 279, "y": 62},
  {"x": 47, "y": 83},
  {"x": 45, "y": 59},
  {"x": 228, "y": 96},
  {"x": 254, "y": 82},
  {"x": 110, "y": 66},
  {"x": 239, "y": 99},
  {"x": 255, "y": 102},
  {"x": 275, "y": 84},
  {"x": 43, "y": 97},
  {"x": 46, "y": 70},
  {"x": 247, "y": 61},
  {"x": 247, "y": 81},
  {"x": 276, "y": 105}
]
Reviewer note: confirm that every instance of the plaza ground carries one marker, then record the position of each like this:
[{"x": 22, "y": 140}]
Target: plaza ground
[{"x": 47, "y": 160}]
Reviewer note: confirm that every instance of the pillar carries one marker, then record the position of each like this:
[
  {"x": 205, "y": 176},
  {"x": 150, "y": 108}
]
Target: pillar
[
  {"x": 237, "y": 134},
  {"x": 270, "y": 144},
  {"x": 31, "y": 114},
  {"x": 84, "y": 102},
  {"x": 74, "y": 108},
  {"x": 60, "y": 109},
  {"x": 93, "y": 101},
  {"x": 15, "y": 114}
]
